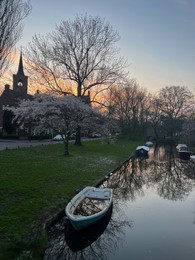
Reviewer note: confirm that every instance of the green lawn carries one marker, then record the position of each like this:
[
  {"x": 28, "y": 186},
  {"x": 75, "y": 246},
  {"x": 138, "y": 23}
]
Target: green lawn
[{"x": 37, "y": 182}]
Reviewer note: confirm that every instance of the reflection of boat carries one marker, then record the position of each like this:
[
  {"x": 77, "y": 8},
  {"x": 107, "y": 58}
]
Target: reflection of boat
[
  {"x": 78, "y": 240},
  {"x": 88, "y": 206},
  {"x": 183, "y": 161},
  {"x": 142, "y": 156},
  {"x": 183, "y": 151},
  {"x": 142, "y": 150}
]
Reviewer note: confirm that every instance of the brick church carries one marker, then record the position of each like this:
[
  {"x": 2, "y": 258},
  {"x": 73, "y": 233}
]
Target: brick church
[{"x": 10, "y": 97}]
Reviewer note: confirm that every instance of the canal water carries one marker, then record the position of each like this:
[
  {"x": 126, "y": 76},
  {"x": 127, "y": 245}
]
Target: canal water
[{"x": 153, "y": 214}]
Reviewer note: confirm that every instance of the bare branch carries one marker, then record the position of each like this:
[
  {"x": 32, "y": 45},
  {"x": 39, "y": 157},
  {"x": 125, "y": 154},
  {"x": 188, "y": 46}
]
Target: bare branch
[
  {"x": 81, "y": 52},
  {"x": 12, "y": 12}
]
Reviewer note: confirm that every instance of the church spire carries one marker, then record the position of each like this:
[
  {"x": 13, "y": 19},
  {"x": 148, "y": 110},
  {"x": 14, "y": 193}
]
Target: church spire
[
  {"x": 20, "y": 81},
  {"x": 20, "y": 66}
]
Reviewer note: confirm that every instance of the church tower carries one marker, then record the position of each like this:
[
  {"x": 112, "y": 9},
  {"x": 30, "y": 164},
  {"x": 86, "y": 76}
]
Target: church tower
[{"x": 20, "y": 81}]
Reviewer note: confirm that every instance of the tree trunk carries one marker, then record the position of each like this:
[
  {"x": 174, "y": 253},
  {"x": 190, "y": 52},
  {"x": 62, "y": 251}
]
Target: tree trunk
[
  {"x": 66, "y": 146},
  {"x": 78, "y": 136},
  {"x": 78, "y": 130}
]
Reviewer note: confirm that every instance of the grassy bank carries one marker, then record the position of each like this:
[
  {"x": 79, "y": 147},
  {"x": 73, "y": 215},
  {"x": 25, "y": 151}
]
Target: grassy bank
[{"x": 36, "y": 183}]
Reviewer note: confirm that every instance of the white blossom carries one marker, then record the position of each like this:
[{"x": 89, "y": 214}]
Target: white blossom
[{"x": 62, "y": 113}]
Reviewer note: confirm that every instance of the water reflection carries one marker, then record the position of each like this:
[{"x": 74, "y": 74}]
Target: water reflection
[
  {"x": 162, "y": 174},
  {"x": 173, "y": 177},
  {"x": 67, "y": 243},
  {"x": 163, "y": 171},
  {"x": 78, "y": 240}
]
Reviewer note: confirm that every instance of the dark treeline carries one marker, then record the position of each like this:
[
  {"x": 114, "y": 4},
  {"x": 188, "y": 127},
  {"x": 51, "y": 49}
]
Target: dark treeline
[{"x": 168, "y": 114}]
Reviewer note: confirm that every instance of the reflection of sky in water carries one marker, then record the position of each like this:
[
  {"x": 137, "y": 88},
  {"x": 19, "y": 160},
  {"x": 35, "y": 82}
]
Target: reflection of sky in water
[
  {"x": 161, "y": 206},
  {"x": 162, "y": 229}
]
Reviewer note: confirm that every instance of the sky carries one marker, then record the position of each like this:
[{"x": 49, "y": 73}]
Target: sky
[{"x": 157, "y": 37}]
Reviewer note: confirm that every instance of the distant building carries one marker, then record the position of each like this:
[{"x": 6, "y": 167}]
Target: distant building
[{"x": 11, "y": 97}]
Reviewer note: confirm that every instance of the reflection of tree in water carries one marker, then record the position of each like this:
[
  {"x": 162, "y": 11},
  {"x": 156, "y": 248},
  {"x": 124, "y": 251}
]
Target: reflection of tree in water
[
  {"x": 127, "y": 181},
  {"x": 174, "y": 179},
  {"x": 163, "y": 171},
  {"x": 163, "y": 153},
  {"x": 107, "y": 242}
]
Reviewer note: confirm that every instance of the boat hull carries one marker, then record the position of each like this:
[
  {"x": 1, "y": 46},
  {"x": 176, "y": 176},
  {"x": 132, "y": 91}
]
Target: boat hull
[
  {"x": 78, "y": 240},
  {"x": 184, "y": 155},
  {"x": 142, "y": 151},
  {"x": 183, "y": 151}
]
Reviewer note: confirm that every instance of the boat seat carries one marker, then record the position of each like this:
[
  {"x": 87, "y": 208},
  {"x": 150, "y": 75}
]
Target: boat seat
[{"x": 97, "y": 195}]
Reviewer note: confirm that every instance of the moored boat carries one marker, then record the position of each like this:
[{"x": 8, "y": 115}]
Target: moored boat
[
  {"x": 149, "y": 143},
  {"x": 88, "y": 206},
  {"x": 183, "y": 151},
  {"x": 142, "y": 150},
  {"x": 179, "y": 146}
]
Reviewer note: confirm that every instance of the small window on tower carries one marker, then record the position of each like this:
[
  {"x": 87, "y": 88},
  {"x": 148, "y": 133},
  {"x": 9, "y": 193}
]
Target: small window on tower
[{"x": 20, "y": 84}]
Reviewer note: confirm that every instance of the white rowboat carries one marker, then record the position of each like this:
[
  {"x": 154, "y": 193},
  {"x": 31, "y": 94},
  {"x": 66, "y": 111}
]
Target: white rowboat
[
  {"x": 183, "y": 151},
  {"x": 88, "y": 206}
]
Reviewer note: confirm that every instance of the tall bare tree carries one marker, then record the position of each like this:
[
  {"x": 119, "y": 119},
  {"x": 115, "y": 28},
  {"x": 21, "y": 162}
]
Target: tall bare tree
[
  {"x": 81, "y": 52},
  {"x": 128, "y": 105},
  {"x": 155, "y": 115},
  {"x": 12, "y": 12},
  {"x": 177, "y": 104}
]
